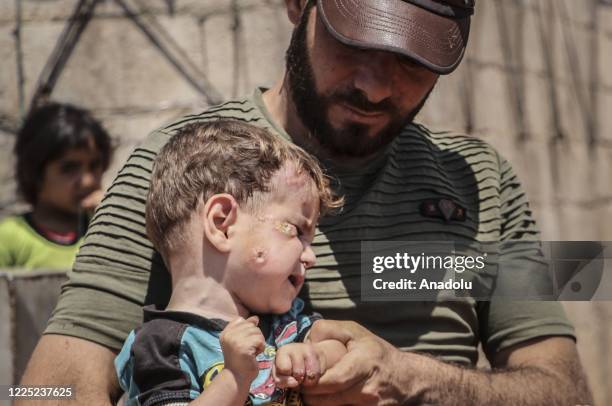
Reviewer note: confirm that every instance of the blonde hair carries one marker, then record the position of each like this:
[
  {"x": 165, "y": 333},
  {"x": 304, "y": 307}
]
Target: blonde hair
[{"x": 222, "y": 156}]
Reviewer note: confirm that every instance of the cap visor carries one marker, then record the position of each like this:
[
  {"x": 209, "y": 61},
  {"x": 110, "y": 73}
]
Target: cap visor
[{"x": 435, "y": 41}]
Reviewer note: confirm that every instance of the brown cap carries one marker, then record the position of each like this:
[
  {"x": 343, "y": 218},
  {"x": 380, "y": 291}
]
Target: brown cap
[{"x": 434, "y": 33}]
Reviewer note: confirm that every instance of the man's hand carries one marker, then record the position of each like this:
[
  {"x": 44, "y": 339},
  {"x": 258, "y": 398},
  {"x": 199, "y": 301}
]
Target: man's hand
[
  {"x": 297, "y": 364},
  {"x": 540, "y": 371},
  {"x": 241, "y": 341},
  {"x": 68, "y": 361},
  {"x": 369, "y": 374}
]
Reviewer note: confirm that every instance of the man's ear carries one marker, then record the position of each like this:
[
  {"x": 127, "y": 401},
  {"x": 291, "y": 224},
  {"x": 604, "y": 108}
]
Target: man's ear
[
  {"x": 294, "y": 10},
  {"x": 220, "y": 212}
]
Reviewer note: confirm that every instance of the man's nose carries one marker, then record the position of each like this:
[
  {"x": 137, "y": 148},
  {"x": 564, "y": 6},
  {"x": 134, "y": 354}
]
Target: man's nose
[
  {"x": 308, "y": 257},
  {"x": 374, "y": 76}
]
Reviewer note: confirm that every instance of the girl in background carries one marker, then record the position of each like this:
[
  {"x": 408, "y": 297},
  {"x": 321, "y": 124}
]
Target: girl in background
[{"x": 62, "y": 152}]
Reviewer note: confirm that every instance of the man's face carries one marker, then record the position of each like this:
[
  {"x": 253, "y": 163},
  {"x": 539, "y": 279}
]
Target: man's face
[{"x": 352, "y": 101}]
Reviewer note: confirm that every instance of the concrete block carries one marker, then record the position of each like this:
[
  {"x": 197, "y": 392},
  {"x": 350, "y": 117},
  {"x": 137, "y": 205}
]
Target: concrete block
[
  {"x": 445, "y": 108},
  {"x": 127, "y": 79},
  {"x": 537, "y": 107},
  {"x": 7, "y": 180},
  {"x": 580, "y": 12},
  {"x": 484, "y": 42},
  {"x": 605, "y": 57},
  {"x": 605, "y": 19},
  {"x": 40, "y": 10},
  {"x": 210, "y": 7},
  {"x": 570, "y": 44},
  {"x": 36, "y": 295},
  {"x": 266, "y": 33},
  {"x": 9, "y": 99},
  {"x": 546, "y": 217},
  {"x": 7, "y": 342},
  {"x": 532, "y": 165},
  {"x": 573, "y": 120},
  {"x": 573, "y": 163},
  {"x": 580, "y": 54},
  {"x": 600, "y": 173},
  {"x": 533, "y": 54},
  {"x": 219, "y": 52},
  {"x": 605, "y": 213},
  {"x": 578, "y": 223},
  {"x": 492, "y": 105},
  {"x": 130, "y": 130},
  {"x": 38, "y": 39},
  {"x": 604, "y": 120},
  {"x": 591, "y": 320}
]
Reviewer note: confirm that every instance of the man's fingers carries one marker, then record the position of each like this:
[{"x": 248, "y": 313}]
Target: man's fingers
[{"x": 343, "y": 331}]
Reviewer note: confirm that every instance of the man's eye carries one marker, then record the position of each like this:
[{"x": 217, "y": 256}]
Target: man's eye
[
  {"x": 408, "y": 63},
  {"x": 287, "y": 229}
]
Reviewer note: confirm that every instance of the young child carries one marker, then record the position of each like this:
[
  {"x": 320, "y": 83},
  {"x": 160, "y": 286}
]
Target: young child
[
  {"x": 232, "y": 210},
  {"x": 62, "y": 152}
]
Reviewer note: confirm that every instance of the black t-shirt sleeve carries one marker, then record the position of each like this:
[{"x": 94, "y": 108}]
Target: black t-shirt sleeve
[{"x": 157, "y": 372}]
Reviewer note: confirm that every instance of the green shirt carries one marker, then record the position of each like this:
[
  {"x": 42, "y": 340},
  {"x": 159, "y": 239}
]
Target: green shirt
[
  {"x": 117, "y": 270},
  {"x": 23, "y": 247}
]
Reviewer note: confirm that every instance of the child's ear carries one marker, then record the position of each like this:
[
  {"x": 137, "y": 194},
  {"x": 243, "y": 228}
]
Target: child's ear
[{"x": 220, "y": 213}]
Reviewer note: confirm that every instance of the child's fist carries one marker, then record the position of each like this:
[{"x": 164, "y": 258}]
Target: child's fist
[
  {"x": 241, "y": 341},
  {"x": 297, "y": 364}
]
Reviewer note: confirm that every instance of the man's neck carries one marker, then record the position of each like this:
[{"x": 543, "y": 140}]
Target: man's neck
[{"x": 278, "y": 102}]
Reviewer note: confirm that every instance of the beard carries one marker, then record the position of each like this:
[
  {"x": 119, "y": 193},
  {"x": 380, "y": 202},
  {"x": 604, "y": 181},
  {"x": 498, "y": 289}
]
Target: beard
[{"x": 352, "y": 139}]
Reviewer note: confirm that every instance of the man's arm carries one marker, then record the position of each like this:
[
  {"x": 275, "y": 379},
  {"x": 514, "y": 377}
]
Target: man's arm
[
  {"x": 543, "y": 371},
  {"x": 68, "y": 361}
]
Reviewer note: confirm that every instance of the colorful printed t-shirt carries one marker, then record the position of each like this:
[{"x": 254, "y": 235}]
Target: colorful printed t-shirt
[{"x": 174, "y": 356}]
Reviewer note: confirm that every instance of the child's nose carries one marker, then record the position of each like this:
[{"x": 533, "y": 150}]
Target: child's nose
[
  {"x": 308, "y": 257},
  {"x": 89, "y": 179}
]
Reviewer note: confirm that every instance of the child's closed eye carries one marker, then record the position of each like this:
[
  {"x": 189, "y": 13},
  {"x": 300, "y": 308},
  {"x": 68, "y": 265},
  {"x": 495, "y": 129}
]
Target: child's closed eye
[{"x": 287, "y": 228}]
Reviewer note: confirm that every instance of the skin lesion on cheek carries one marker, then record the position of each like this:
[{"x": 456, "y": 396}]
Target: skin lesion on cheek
[{"x": 259, "y": 255}]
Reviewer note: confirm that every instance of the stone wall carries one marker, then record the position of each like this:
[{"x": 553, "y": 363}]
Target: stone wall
[{"x": 534, "y": 83}]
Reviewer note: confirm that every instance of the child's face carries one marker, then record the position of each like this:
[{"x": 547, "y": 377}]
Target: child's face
[
  {"x": 271, "y": 249},
  {"x": 70, "y": 179}
]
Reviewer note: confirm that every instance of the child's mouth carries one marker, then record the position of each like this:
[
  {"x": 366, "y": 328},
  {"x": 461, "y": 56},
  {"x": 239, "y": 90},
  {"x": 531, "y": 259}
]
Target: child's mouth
[{"x": 296, "y": 280}]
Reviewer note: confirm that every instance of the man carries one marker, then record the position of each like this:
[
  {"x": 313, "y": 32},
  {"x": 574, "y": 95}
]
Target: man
[{"x": 357, "y": 73}]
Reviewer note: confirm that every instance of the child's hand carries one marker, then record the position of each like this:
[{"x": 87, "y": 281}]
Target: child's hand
[
  {"x": 91, "y": 201},
  {"x": 297, "y": 363},
  {"x": 241, "y": 341}
]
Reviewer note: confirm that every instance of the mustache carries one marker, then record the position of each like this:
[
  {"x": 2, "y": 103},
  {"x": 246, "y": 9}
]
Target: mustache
[{"x": 356, "y": 98}]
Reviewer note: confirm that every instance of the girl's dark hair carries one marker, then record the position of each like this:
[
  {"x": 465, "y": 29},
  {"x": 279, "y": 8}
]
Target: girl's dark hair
[{"x": 47, "y": 133}]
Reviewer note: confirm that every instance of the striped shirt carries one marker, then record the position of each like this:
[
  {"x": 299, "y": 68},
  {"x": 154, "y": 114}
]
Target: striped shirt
[{"x": 117, "y": 271}]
